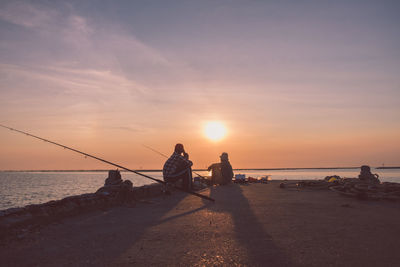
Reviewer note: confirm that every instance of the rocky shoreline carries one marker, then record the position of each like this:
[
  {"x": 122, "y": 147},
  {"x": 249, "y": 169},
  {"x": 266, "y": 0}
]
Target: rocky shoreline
[{"x": 115, "y": 192}]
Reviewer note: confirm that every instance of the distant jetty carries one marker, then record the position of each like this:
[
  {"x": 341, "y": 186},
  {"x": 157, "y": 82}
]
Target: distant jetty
[{"x": 239, "y": 169}]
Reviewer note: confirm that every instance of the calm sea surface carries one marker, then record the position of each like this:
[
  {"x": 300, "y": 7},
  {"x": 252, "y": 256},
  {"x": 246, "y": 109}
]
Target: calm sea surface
[{"x": 18, "y": 189}]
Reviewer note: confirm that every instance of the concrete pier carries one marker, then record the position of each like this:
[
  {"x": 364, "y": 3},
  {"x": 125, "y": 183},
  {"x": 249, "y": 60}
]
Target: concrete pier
[{"x": 249, "y": 225}]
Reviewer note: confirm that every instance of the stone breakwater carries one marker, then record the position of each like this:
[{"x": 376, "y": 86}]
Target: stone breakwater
[{"x": 114, "y": 192}]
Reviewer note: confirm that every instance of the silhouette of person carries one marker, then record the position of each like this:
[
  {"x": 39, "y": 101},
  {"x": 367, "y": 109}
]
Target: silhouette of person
[
  {"x": 178, "y": 167},
  {"x": 222, "y": 172},
  {"x": 367, "y": 176}
]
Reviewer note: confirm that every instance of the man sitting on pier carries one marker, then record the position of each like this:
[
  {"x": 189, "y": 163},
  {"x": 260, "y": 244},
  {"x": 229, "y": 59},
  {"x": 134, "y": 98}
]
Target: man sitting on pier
[
  {"x": 178, "y": 167},
  {"x": 222, "y": 172}
]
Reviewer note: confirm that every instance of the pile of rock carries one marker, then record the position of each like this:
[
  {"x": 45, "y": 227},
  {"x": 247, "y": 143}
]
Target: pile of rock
[{"x": 117, "y": 189}]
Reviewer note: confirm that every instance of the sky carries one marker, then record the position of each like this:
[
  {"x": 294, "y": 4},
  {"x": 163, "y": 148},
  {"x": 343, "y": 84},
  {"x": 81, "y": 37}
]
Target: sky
[{"x": 295, "y": 83}]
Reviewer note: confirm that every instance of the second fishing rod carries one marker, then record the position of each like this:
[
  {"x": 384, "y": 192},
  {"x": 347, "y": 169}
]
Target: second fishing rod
[
  {"x": 165, "y": 156},
  {"x": 106, "y": 161}
]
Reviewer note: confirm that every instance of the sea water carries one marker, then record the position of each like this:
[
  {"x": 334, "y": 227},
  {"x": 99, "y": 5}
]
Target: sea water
[{"x": 18, "y": 189}]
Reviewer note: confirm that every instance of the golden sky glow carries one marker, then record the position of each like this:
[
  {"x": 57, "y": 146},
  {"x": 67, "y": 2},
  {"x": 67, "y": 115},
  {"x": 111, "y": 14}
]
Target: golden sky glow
[
  {"x": 293, "y": 84},
  {"x": 215, "y": 130}
]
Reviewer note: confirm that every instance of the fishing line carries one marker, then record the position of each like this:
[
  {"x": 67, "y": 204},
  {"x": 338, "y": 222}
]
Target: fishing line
[
  {"x": 165, "y": 156},
  {"x": 106, "y": 161}
]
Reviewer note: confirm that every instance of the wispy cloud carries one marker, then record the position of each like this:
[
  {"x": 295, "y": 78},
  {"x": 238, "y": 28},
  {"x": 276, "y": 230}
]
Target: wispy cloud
[
  {"x": 27, "y": 15},
  {"x": 67, "y": 81},
  {"x": 74, "y": 69},
  {"x": 78, "y": 54}
]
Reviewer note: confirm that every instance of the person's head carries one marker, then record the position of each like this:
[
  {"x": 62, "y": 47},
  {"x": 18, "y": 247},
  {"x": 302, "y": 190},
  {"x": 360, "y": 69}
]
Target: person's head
[
  {"x": 224, "y": 156},
  {"x": 179, "y": 148},
  {"x": 365, "y": 168}
]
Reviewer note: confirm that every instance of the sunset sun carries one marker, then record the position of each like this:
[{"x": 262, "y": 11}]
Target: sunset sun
[{"x": 215, "y": 130}]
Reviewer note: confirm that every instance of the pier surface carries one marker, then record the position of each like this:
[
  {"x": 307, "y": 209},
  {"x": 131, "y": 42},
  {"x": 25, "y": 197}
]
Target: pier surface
[{"x": 251, "y": 225}]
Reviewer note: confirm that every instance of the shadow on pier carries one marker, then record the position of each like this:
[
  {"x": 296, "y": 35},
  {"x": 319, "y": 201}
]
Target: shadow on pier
[
  {"x": 260, "y": 249},
  {"x": 97, "y": 238},
  {"x": 175, "y": 230}
]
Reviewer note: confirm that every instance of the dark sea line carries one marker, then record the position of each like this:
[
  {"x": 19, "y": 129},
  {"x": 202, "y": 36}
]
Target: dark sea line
[{"x": 240, "y": 169}]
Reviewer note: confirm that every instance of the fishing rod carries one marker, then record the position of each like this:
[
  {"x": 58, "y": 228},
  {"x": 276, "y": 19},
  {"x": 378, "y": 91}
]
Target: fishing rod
[
  {"x": 165, "y": 156},
  {"x": 158, "y": 152},
  {"x": 108, "y": 162}
]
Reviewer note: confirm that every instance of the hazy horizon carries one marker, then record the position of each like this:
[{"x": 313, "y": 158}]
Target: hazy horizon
[
  {"x": 159, "y": 170},
  {"x": 295, "y": 83}
]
